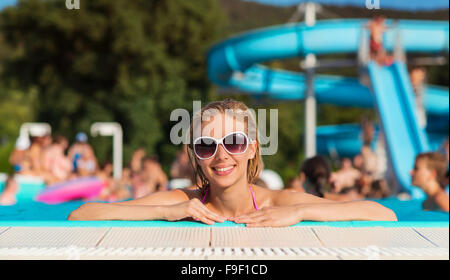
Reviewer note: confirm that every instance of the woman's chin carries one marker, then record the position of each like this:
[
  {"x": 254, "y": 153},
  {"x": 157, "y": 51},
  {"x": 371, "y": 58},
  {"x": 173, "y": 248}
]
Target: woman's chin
[{"x": 223, "y": 183}]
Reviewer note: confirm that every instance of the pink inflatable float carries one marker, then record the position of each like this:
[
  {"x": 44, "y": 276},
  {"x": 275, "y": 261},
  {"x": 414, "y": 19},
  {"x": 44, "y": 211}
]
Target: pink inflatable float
[{"x": 82, "y": 188}]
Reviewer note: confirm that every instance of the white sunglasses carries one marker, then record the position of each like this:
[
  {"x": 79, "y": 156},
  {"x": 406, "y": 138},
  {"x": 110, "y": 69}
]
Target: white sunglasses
[{"x": 235, "y": 143}]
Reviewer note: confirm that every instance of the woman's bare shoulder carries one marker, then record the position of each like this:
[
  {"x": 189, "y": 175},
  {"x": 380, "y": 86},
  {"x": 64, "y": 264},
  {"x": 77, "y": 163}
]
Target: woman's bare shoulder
[
  {"x": 264, "y": 197},
  {"x": 192, "y": 192},
  {"x": 286, "y": 197},
  {"x": 165, "y": 197}
]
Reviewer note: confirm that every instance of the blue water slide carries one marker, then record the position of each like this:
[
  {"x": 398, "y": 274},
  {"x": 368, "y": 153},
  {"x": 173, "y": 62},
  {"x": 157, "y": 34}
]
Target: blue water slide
[
  {"x": 261, "y": 81},
  {"x": 395, "y": 104},
  {"x": 326, "y": 37},
  {"x": 345, "y": 140},
  {"x": 234, "y": 62}
]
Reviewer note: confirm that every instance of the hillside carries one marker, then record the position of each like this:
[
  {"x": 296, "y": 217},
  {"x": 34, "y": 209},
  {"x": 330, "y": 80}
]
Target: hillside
[{"x": 250, "y": 15}]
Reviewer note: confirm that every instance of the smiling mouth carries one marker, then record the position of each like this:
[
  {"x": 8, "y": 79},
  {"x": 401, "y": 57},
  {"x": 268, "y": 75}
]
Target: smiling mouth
[{"x": 222, "y": 171}]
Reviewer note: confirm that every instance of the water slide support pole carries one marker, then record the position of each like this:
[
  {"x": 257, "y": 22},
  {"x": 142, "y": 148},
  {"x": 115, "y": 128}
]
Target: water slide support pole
[
  {"x": 35, "y": 129},
  {"x": 117, "y": 153},
  {"x": 115, "y": 130},
  {"x": 310, "y": 100}
]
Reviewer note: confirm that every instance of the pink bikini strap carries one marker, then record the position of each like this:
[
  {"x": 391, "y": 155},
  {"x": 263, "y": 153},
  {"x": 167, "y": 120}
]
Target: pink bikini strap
[
  {"x": 251, "y": 191},
  {"x": 204, "y": 197},
  {"x": 253, "y": 196}
]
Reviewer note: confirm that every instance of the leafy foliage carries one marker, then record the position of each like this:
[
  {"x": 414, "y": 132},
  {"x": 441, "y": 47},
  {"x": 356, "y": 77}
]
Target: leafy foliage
[{"x": 130, "y": 62}]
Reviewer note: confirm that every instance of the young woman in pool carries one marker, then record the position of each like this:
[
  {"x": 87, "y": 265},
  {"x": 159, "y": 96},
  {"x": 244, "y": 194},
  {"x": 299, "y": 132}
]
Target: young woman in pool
[{"x": 225, "y": 155}]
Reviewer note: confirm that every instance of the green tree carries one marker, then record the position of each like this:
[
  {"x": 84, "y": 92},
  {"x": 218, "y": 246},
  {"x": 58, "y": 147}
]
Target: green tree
[{"x": 127, "y": 61}]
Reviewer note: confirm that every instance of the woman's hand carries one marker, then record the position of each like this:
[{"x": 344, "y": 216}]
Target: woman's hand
[
  {"x": 271, "y": 217},
  {"x": 193, "y": 208}
]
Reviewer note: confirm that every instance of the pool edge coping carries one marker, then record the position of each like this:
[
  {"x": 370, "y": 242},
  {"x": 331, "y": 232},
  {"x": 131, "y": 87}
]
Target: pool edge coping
[{"x": 346, "y": 224}]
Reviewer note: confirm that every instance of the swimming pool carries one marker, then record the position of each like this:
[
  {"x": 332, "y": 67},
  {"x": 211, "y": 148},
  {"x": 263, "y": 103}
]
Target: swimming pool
[
  {"x": 29, "y": 212},
  {"x": 38, "y": 231},
  {"x": 34, "y": 230},
  {"x": 36, "y": 215}
]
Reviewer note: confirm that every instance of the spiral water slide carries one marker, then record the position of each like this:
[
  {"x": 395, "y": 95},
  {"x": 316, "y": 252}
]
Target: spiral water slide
[{"x": 233, "y": 63}]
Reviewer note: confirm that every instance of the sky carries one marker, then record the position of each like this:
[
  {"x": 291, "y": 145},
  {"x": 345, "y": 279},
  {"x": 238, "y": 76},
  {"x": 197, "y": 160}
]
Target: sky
[
  {"x": 4, "y": 3},
  {"x": 388, "y": 4}
]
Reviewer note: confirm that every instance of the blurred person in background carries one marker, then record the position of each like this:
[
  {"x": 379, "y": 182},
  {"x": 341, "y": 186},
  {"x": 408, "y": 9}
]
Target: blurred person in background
[
  {"x": 19, "y": 154},
  {"x": 34, "y": 158},
  {"x": 417, "y": 76},
  {"x": 181, "y": 171},
  {"x": 345, "y": 177},
  {"x": 136, "y": 161},
  {"x": 181, "y": 167},
  {"x": 56, "y": 165},
  {"x": 122, "y": 189},
  {"x": 372, "y": 164},
  {"x": 358, "y": 162},
  {"x": 126, "y": 176},
  {"x": 114, "y": 189},
  {"x": 295, "y": 184},
  {"x": 150, "y": 179},
  {"x": 316, "y": 178},
  {"x": 315, "y": 174},
  {"x": 154, "y": 174},
  {"x": 26, "y": 161},
  {"x": 120, "y": 192},
  {"x": 444, "y": 149},
  {"x": 368, "y": 157},
  {"x": 378, "y": 189},
  {"x": 377, "y": 27},
  {"x": 369, "y": 166},
  {"x": 8, "y": 196},
  {"x": 46, "y": 141},
  {"x": 445, "y": 181},
  {"x": 371, "y": 183},
  {"x": 429, "y": 174},
  {"x": 82, "y": 156},
  {"x": 367, "y": 131},
  {"x": 104, "y": 173},
  {"x": 135, "y": 172}
]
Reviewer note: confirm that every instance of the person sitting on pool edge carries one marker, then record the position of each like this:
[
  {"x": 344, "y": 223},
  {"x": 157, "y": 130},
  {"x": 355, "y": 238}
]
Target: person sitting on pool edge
[
  {"x": 227, "y": 161},
  {"x": 429, "y": 174}
]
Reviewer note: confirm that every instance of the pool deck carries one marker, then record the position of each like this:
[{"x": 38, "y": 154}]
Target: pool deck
[{"x": 193, "y": 241}]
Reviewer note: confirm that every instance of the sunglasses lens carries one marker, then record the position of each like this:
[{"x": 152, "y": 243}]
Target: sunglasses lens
[
  {"x": 205, "y": 148},
  {"x": 235, "y": 143}
]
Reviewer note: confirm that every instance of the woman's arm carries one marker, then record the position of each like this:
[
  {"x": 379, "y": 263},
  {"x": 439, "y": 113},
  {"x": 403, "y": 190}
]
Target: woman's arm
[
  {"x": 163, "y": 181},
  {"x": 290, "y": 208},
  {"x": 345, "y": 211},
  {"x": 112, "y": 211},
  {"x": 145, "y": 208},
  {"x": 320, "y": 209},
  {"x": 172, "y": 206}
]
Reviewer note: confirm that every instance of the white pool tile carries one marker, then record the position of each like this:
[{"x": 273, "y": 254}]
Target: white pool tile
[
  {"x": 157, "y": 237},
  {"x": 51, "y": 236},
  {"x": 373, "y": 236}
]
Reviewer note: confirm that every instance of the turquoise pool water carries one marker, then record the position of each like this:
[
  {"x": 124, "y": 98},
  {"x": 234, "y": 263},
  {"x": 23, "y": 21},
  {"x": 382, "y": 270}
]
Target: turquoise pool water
[{"x": 27, "y": 212}]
